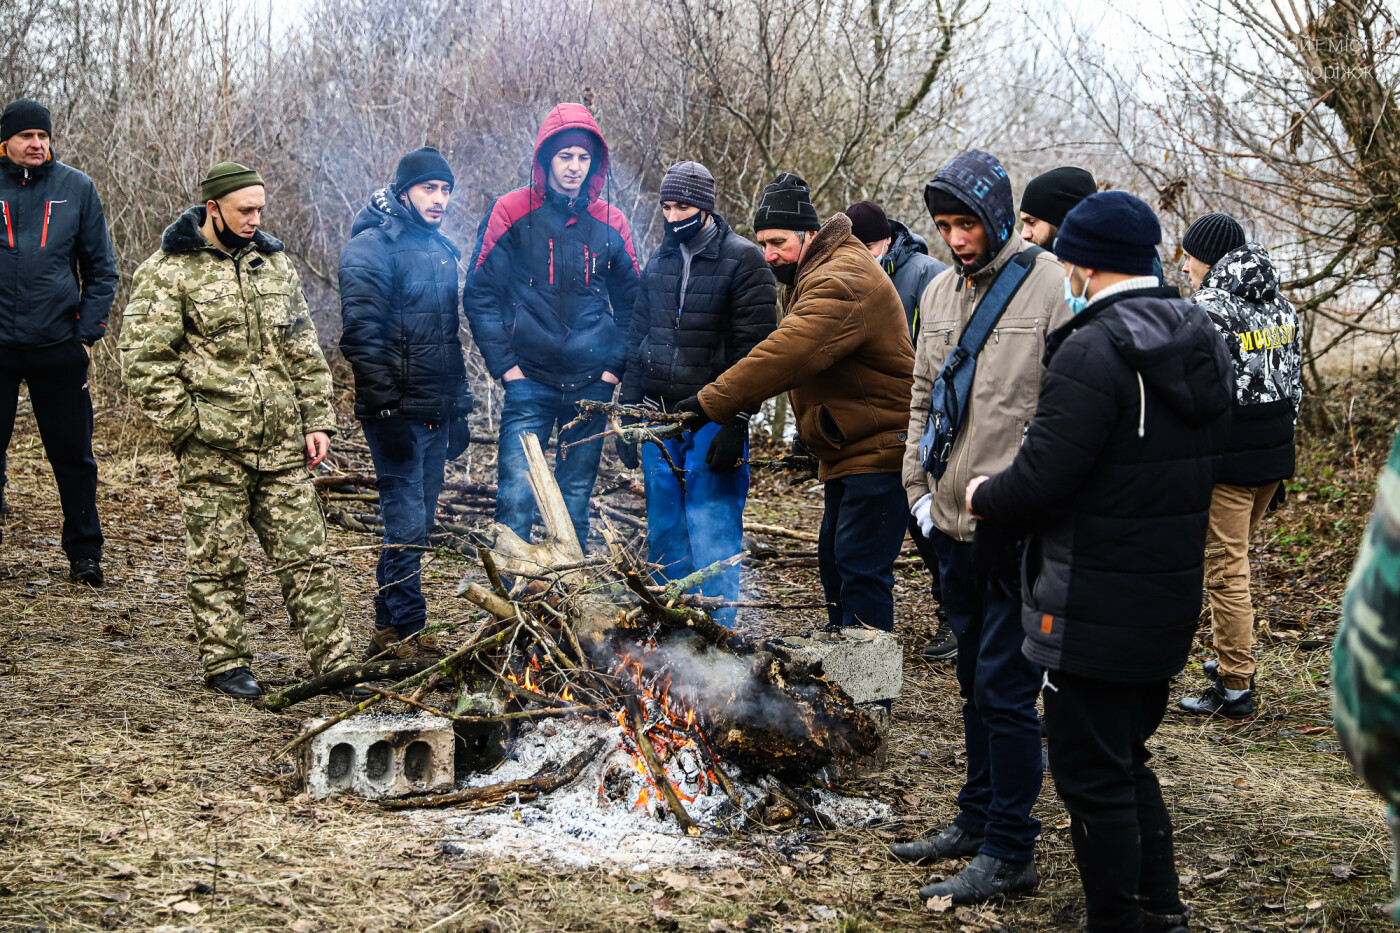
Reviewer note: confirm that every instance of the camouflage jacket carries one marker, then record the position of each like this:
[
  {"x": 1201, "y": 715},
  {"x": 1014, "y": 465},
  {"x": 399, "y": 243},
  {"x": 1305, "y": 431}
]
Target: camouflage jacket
[{"x": 222, "y": 348}]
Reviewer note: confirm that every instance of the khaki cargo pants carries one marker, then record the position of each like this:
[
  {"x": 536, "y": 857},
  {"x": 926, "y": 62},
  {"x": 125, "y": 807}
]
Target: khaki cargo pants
[
  {"x": 221, "y": 498},
  {"x": 1235, "y": 512}
]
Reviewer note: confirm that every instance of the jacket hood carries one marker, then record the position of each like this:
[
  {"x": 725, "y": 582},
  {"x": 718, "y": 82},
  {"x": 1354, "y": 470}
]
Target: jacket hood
[
  {"x": 183, "y": 235},
  {"x": 1246, "y": 272},
  {"x": 978, "y": 180},
  {"x": 569, "y": 117},
  {"x": 1175, "y": 349},
  {"x": 386, "y": 210},
  {"x": 903, "y": 244}
]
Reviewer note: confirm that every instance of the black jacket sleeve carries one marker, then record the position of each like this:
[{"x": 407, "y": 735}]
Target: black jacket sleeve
[
  {"x": 637, "y": 330},
  {"x": 623, "y": 291},
  {"x": 97, "y": 269},
  {"x": 484, "y": 294},
  {"x": 1073, "y": 422},
  {"x": 366, "y": 282}
]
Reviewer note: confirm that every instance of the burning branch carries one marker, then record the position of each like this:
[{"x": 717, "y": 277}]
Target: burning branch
[{"x": 658, "y": 773}]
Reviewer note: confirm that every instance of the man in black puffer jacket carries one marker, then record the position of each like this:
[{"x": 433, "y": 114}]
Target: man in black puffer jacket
[
  {"x": 1113, "y": 486},
  {"x": 398, "y": 303},
  {"x": 707, "y": 298},
  {"x": 1237, "y": 285}
]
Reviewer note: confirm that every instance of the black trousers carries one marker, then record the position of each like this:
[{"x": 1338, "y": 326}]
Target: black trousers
[
  {"x": 58, "y": 390},
  {"x": 1122, "y": 833}
]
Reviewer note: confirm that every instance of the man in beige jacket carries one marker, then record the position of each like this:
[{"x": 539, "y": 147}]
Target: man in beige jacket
[{"x": 970, "y": 201}]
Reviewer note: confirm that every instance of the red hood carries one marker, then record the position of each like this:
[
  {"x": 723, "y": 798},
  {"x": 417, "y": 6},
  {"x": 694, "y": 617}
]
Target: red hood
[{"x": 571, "y": 117}]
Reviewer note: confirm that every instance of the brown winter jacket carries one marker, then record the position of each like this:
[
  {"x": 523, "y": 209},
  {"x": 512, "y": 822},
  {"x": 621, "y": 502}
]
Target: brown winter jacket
[
  {"x": 842, "y": 351},
  {"x": 1005, "y": 389}
]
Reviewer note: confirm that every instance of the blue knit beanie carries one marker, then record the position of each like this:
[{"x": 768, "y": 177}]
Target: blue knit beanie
[{"x": 1111, "y": 231}]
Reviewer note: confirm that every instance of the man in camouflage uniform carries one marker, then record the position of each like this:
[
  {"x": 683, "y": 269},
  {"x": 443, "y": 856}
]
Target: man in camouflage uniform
[
  {"x": 218, "y": 346},
  {"x": 1366, "y": 656}
]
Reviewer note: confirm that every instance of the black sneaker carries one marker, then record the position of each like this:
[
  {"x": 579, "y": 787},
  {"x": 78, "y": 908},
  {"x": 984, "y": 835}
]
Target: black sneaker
[
  {"x": 943, "y": 645},
  {"x": 85, "y": 570},
  {"x": 949, "y": 842},
  {"x": 1211, "y": 669},
  {"x": 984, "y": 878},
  {"x": 1214, "y": 702}
]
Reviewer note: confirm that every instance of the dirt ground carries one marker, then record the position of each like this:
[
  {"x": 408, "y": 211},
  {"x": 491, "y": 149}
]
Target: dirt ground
[{"x": 135, "y": 798}]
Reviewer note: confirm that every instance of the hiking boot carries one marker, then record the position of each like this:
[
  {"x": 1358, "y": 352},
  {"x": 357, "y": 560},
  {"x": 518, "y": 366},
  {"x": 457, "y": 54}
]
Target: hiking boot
[
  {"x": 1166, "y": 923},
  {"x": 238, "y": 682},
  {"x": 1214, "y": 701},
  {"x": 387, "y": 639},
  {"x": 357, "y": 693},
  {"x": 950, "y": 842},
  {"x": 984, "y": 878},
  {"x": 85, "y": 570},
  {"x": 943, "y": 645},
  {"x": 1211, "y": 669}
]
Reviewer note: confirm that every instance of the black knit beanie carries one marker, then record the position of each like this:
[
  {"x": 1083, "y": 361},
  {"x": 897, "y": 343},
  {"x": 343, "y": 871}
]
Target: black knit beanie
[
  {"x": 420, "y": 165},
  {"x": 689, "y": 183},
  {"x": 786, "y": 205},
  {"x": 1049, "y": 197},
  {"x": 939, "y": 201},
  {"x": 1111, "y": 231},
  {"x": 25, "y": 114},
  {"x": 1212, "y": 236},
  {"x": 868, "y": 222}
]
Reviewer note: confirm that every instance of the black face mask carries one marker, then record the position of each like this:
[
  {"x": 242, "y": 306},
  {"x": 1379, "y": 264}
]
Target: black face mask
[
  {"x": 227, "y": 238},
  {"x": 786, "y": 274},
  {"x": 685, "y": 230}
]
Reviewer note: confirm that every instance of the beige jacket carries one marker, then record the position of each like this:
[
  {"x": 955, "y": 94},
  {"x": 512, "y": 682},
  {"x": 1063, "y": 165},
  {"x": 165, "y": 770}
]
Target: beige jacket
[{"x": 1005, "y": 389}]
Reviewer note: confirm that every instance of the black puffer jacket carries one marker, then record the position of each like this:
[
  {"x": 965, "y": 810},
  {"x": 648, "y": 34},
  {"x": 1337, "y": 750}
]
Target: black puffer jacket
[
  {"x": 1260, "y": 327},
  {"x": 58, "y": 275},
  {"x": 1113, "y": 482},
  {"x": 398, "y": 306},
  {"x": 731, "y": 305}
]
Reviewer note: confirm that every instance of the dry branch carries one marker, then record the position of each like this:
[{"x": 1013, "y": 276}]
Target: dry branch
[{"x": 542, "y": 783}]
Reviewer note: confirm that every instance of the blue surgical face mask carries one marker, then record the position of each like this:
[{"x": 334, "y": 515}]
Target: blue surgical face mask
[{"x": 1077, "y": 303}]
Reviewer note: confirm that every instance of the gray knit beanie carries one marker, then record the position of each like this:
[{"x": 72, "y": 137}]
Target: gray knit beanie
[{"x": 689, "y": 183}]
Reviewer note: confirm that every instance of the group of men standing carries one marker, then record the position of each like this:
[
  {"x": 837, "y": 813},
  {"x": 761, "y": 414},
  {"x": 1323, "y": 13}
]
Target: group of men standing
[{"x": 1044, "y": 418}]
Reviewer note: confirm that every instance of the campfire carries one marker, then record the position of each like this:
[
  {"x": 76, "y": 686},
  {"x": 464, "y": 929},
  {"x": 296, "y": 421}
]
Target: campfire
[{"x": 619, "y": 693}]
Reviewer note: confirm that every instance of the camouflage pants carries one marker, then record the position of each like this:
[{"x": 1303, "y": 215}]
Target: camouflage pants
[{"x": 221, "y": 498}]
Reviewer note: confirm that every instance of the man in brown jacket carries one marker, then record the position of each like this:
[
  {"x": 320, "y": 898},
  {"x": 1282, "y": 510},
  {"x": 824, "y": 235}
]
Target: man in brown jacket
[
  {"x": 970, "y": 201},
  {"x": 842, "y": 351}
]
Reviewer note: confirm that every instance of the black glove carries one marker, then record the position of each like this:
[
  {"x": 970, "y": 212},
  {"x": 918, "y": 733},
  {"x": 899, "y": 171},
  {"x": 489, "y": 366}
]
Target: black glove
[
  {"x": 459, "y": 436},
  {"x": 395, "y": 437},
  {"x": 996, "y": 559},
  {"x": 800, "y": 449},
  {"x": 694, "y": 412},
  {"x": 727, "y": 446},
  {"x": 1279, "y": 498}
]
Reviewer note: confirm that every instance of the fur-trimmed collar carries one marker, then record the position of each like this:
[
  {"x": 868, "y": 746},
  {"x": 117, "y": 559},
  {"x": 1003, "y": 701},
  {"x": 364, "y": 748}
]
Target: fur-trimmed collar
[
  {"x": 183, "y": 236},
  {"x": 836, "y": 229}
]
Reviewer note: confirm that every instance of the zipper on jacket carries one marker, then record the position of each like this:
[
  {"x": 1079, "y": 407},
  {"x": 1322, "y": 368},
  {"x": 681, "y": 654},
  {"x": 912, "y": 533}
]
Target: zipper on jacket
[
  {"x": 9, "y": 228},
  {"x": 551, "y": 260},
  {"x": 586, "y": 274},
  {"x": 44, "y": 237}
]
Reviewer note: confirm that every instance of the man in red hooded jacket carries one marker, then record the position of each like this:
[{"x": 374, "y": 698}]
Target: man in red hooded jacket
[{"x": 549, "y": 299}]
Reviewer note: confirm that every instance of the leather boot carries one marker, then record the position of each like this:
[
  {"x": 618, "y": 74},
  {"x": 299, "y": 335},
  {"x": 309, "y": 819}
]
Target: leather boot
[
  {"x": 238, "y": 682},
  {"x": 984, "y": 878},
  {"x": 950, "y": 842}
]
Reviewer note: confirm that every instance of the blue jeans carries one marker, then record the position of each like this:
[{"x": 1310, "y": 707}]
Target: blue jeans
[
  {"x": 688, "y": 531},
  {"x": 862, "y": 531},
  {"x": 408, "y": 493},
  {"x": 998, "y": 686},
  {"x": 533, "y": 408}
]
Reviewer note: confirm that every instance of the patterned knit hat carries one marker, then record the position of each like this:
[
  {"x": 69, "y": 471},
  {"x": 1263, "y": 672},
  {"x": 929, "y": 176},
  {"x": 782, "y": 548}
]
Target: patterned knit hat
[
  {"x": 1212, "y": 236},
  {"x": 689, "y": 183}
]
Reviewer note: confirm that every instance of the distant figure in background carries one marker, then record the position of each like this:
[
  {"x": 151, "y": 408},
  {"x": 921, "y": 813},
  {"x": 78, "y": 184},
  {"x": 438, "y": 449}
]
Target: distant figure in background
[
  {"x": 707, "y": 298},
  {"x": 548, "y": 296},
  {"x": 1237, "y": 285},
  {"x": 58, "y": 277},
  {"x": 399, "y": 308},
  {"x": 219, "y": 349},
  {"x": 1366, "y": 659},
  {"x": 904, "y": 256},
  {"x": 1048, "y": 198},
  {"x": 843, "y": 355}
]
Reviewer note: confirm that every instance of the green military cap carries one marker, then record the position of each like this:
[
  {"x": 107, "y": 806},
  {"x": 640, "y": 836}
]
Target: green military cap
[{"x": 225, "y": 178}]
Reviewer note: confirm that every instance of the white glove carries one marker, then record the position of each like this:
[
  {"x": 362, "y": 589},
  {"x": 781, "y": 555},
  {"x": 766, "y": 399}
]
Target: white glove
[{"x": 922, "y": 514}]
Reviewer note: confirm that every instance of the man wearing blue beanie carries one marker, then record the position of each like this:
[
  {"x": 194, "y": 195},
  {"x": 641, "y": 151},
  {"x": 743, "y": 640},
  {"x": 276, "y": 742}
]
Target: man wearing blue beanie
[{"x": 1113, "y": 488}]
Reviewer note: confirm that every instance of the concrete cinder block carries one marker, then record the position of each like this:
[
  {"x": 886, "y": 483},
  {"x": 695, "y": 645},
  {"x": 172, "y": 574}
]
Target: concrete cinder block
[
  {"x": 380, "y": 756},
  {"x": 867, "y": 663}
]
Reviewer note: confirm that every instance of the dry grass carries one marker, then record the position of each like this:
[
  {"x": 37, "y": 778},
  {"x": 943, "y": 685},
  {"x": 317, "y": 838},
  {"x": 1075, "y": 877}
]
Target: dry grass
[{"x": 134, "y": 798}]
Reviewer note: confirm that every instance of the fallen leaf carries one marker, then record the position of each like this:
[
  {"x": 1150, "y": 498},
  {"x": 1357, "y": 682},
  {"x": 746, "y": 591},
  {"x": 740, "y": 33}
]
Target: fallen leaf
[
  {"x": 1313, "y": 904},
  {"x": 675, "y": 880},
  {"x": 1216, "y": 875},
  {"x": 939, "y": 905},
  {"x": 822, "y": 912},
  {"x": 719, "y": 926},
  {"x": 108, "y": 836},
  {"x": 122, "y": 870},
  {"x": 181, "y": 905},
  {"x": 33, "y": 780},
  {"x": 117, "y": 897},
  {"x": 1242, "y": 783},
  {"x": 302, "y": 926},
  {"x": 1343, "y": 872},
  {"x": 1314, "y": 730},
  {"x": 729, "y": 876}
]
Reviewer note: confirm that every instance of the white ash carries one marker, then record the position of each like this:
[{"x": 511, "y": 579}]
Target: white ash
[{"x": 596, "y": 819}]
